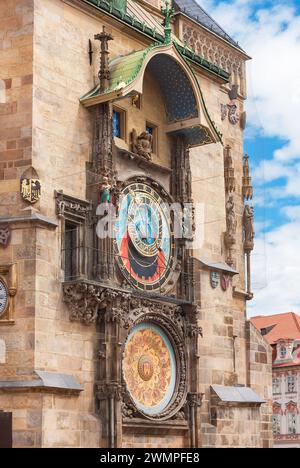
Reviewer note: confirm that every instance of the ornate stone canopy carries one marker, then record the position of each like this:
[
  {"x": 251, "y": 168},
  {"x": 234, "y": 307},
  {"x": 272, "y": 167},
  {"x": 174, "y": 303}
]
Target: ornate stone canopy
[{"x": 187, "y": 114}]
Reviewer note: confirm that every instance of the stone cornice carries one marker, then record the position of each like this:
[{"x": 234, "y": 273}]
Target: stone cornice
[
  {"x": 34, "y": 217},
  {"x": 47, "y": 382}
]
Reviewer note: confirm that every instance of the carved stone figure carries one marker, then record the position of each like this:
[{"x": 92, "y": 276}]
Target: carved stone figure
[
  {"x": 231, "y": 218},
  {"x": 105, "y": 191},
  {"x": 142, "y": 144},
  {"x": 248, "y": 222}
]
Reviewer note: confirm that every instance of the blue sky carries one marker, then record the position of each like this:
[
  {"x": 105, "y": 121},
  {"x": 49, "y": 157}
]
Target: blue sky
[{"x": 270, "y": 32}]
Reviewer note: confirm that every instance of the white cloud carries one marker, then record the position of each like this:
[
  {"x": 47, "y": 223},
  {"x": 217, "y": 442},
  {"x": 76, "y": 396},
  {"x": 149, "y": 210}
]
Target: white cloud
[
  {"x": 271, "y": 35},
  {"x": 272, "y": 38},
  {"x": 276, "y": 269}
]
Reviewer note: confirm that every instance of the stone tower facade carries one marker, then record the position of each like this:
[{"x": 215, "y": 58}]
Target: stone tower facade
[{"x": 122, "y": 321}]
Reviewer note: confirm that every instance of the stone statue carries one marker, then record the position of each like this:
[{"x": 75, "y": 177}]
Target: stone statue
[
  {"x": 248, "y": 223},
  {"x": 230, "y": 218},
  {"x": 105, "y": 191},
  {"x": 142, "y": 144}
]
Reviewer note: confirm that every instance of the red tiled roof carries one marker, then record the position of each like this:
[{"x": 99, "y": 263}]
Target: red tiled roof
[{"x": 285, "y": 326}]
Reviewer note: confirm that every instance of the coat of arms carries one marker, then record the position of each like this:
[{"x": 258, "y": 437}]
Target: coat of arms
[
  {"x": 31, "y": 190},
  {"x": 225, "y": 282},
  {"x": 214, "y": 279},
  {"x": 4, "y": 235}
]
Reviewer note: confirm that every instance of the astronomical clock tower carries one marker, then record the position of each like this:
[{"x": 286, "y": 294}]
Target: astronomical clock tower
[{"x": 135, "y": 218}]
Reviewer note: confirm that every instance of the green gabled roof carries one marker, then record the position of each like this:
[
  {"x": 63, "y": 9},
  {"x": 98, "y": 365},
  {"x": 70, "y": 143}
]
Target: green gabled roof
[{"x": 123, "y": 71}]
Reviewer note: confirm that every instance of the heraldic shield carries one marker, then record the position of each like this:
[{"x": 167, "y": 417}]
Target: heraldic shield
[{"x": 30, "y": 186}]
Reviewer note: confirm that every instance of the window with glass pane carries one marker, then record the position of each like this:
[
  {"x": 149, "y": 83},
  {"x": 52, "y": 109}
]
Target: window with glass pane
[
  {"x": 292, "y": 423},
  {"x": 117, "y": 124},
  {"x": 71, "y": 233},
  {"x": 276, "y": 424},
  {"x": 276, "y": 385},
  {"x": 291, "y": 384},
  {"x": 283, "y": 352}
]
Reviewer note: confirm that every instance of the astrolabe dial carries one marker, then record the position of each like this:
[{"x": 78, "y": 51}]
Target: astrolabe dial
[
  {"x": 144, "y": 238},
  {"x": 3, "y": 297}
]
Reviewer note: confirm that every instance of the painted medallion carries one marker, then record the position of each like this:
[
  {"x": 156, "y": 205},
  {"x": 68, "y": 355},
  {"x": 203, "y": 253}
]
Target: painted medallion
[
  {"x": 149, "y": 368},
  {"x": 144, "y": 239}
]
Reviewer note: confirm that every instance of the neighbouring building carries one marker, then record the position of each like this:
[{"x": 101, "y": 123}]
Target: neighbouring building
[
  {"x": 282, "y": 332},
  {"x": 123, "y": 324}
]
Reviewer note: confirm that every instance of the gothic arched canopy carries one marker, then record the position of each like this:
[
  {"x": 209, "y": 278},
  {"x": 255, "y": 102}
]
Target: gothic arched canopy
[{"x": 187, "y": 113}]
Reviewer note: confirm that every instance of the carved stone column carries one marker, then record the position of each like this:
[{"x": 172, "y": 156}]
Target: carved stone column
[
  {"x": 194, "y": 399},
  {"x": 100, "y": 172},
  {"x": 194, "y": 402},
  {"x": 181, "y": 190}
]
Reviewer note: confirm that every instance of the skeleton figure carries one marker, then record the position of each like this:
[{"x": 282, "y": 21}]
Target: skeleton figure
[{"x": 142, "y": 144}]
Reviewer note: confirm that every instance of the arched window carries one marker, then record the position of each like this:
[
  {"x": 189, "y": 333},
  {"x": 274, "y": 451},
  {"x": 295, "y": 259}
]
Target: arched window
[
  {"x": 276, "y": 420},
  {"x": 292, "y": 412},
  {"x": 276, "y": 385},
  {"x": 291, "y": 383},
  {"x": 292, "y": 423}
]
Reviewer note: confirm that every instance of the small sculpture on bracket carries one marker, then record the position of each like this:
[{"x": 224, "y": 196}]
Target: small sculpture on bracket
[
  {"x": 105, "y": 195},
  {"x": 142, "y": 144},
  {"x": 248, "y": 224},
  {"x": 230, "y": 235},
  {"x": 231, "y": 219}
]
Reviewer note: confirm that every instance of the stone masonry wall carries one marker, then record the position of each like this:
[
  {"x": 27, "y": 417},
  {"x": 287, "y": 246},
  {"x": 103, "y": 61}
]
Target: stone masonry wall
[
  {"x": 260, "y": 378},
  {"x": 16, "y": 46}
]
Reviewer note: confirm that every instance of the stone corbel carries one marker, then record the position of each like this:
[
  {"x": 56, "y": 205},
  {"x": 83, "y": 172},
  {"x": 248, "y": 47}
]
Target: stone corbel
[
  {"x": 84, "y": 301},
  {"x": 87, "y": 299}
]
